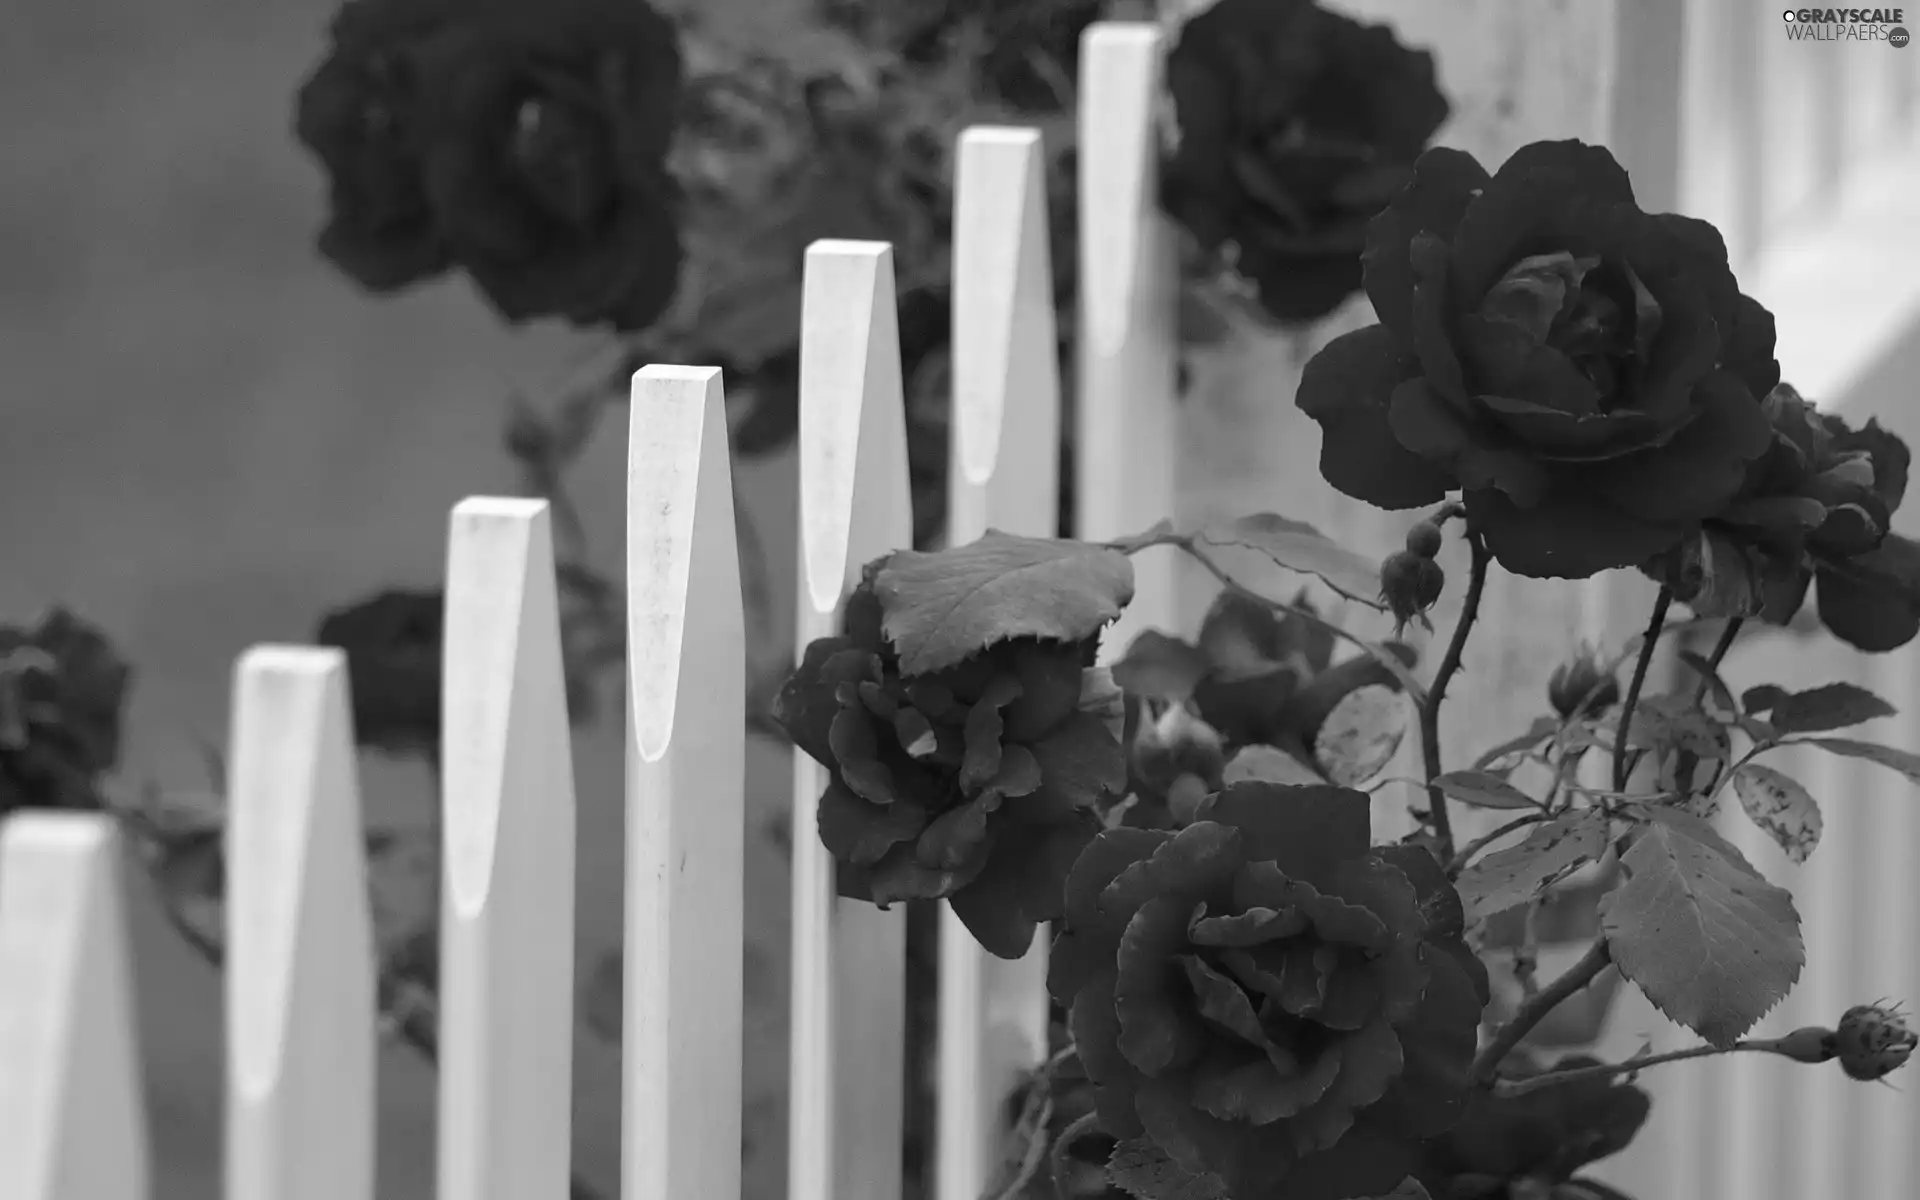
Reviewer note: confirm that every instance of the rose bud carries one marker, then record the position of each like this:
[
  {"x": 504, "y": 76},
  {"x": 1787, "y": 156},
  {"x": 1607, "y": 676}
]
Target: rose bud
[
  {"x": 1409, "y": 585},
  {"x": 1423, "y": 540},
  {"x": 1174, "y": 744},
  {"x": 1581, "y": 686},
  {"x": 1873, "y": 1042}
]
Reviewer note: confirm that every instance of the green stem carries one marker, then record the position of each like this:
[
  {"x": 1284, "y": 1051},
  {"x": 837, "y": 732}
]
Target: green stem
[
  {"x": 1719, "y": 655},
  {"x": 1621, "y": 734},
  {"x": 1521, "y": 1087},
  {"x": 1437, "y": 694},
  {"x": 1062, "y": 1170},
  {"x": 1535, "y": 1009}
]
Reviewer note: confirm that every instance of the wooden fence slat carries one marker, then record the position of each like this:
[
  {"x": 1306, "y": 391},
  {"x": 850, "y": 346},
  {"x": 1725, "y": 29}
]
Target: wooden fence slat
[
  {"x": 507, "y": 912},
  {"x": 686, "y": 808},
  {"x": 1128, "y": 349},
  {"x": 1004, "y": 474},
  {"x": 73, "y": 1122},
  {"x": 301, "y": 1102},
  {"x": 848, "y": 957}
]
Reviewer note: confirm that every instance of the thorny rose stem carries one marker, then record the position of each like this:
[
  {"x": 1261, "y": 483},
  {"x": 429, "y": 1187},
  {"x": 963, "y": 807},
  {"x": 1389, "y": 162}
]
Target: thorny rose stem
[
  {"x": 1622, "y": 731},
  {"x": 1510, "y": 1088},
  {"x": 1531, "y": 1013},
  {"x": 1430, "y": 711}
]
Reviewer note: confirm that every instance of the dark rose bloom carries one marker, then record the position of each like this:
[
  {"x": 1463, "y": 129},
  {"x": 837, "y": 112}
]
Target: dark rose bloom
[
  {"x": 1257, "y": 678},
  {"x": 393, "y": 644},
  {"x": 525, "y": 143},
  {"x": 977, "y": 783},
  {"x": 1296, "y": 127},
  {"x": 1530, "y": 1147},
  {"x": 1816, "y": 511},
  {"x": 360, "y": 114},
  {"x": 1266, "y": 997},
  {"x": 62, "y": 693},
  {"x": 1586, "y": 374}
]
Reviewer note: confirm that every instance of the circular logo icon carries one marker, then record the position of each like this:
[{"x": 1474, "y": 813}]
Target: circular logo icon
[
  {"x": 1897, "y": 36},
  {"x": 1787, "y": 15}
]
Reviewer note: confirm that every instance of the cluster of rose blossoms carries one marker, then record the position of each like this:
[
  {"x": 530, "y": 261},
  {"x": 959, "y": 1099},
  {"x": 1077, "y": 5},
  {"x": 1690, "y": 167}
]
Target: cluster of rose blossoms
[
  {"x": 524, "y": 144},
  {"x": 1591, "y": 381}
]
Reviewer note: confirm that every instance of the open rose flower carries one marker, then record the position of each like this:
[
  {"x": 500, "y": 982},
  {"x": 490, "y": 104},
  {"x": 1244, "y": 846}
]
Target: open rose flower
[
  {"x": 525, "y": 143},
  {"x": 1586, "y": 374},
  {"x": 1296, "y": 126},
  {"x": 977, "y": 783},
  {"x": 1531, "y": 1147},
  {"x": 1268, "y": 998},
  {"x": 62, "y": 692},
  {"x": 1817, "y": 510}
]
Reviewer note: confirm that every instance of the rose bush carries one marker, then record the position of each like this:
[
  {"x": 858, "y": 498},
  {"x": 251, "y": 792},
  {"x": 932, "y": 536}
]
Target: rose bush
[
  {"x": 524, "y": 143},
  {"x": 63, "y": 690},
  {"x": 1296, "y": 125},
  {"x": 1531, "y": 1147},
  {"x": 1816, "y": 511},
  {"x": 1266, "y": 996},
  {"x": 1587, "y": 374},
  {"x": 976, "y": 783}
]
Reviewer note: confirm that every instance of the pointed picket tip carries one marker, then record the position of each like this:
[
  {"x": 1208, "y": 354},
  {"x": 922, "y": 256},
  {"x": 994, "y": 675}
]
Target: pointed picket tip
[
  {"x": 682, "y": 998},
  {"x": 73, "y": 1120},
  {"x": 855, "y": 500},
  {"x": 1119, "y": 167},
  {"x": 1003, "y": 474},
  {"x": 681, "y": 553},
  {"x": 508, "y": 813},
  {"x": 1006, "y": 368},
  {"x": 847, "y": 994},
  {"x": 300, "y": 956}
]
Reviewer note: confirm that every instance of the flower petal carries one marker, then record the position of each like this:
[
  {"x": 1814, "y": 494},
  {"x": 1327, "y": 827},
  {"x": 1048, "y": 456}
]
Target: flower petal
[
  {"x": 1303, "y": 828},
  {"x": 1437, "y": 1044},
  {"x": 1365, "y": 1162},
  {"x": 1696, "y": 475},
  {"x": 1872, "y": 601},
  {"x": 857, "y": 831},
  {"x": 1155, "y": 1034},
  {"x": 1444, "y": 183},
  {"x": 1346, "y": 388},
  {"x": 1566, "y": 536},
  {"x": 1425, "y": 424},
  {"x": 1095, "y": 1027},
  {"x": 1530, "y": 192}
]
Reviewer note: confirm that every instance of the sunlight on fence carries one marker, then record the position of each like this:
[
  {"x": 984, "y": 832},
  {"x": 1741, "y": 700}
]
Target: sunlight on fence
[{"x": 300, "y": 979}]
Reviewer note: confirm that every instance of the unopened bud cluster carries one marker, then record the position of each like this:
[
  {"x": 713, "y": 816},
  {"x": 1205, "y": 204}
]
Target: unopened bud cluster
[{"x": 1410, "y": 579}]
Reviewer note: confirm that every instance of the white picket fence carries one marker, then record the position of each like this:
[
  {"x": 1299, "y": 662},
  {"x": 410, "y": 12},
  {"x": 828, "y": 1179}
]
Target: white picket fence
[{"x": 299, "y": 972}]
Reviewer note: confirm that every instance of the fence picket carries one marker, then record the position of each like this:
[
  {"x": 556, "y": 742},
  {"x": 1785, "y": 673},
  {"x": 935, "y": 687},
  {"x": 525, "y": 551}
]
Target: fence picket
[
  {"x": 299, "y": 970},
  {"x": 73, "y": 1122},
  {"x": 686, "y": 808},
  {"x": 1128, "y": 350},
  {"x": 507, "y": 913},
  {"x": 1004, "y": 474},
  {"x": 848, "y": 957}
]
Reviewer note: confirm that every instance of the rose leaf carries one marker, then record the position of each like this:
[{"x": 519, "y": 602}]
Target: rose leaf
[
  {"x": 1906, "y": 763},
  {"x": 1832, "y": 706},
  {"x": 1145, "y": 1171},
  {"x": 1518, "y": 873},
  {"x": 1482, "y": 789},
  {"x": 1297, "y": 546},
  {"x": 1712, "y": 944},
  {"x": 1542, "y": 729},
  {"x": 942, "y": 607},
  {"x": 1780, "y": 807},
  {"x": 1361, "y": 735},
  {"x": 1159, "y": 667}
]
